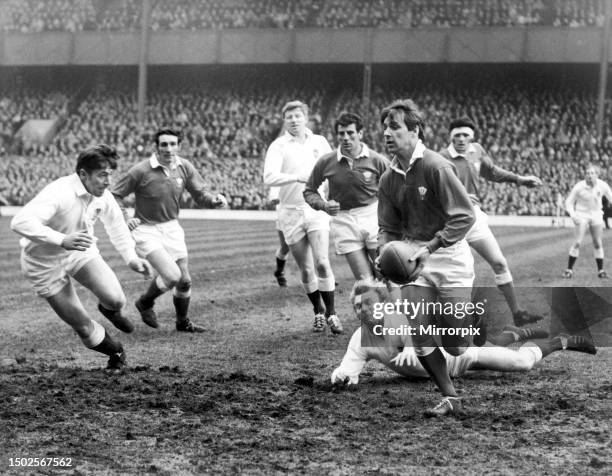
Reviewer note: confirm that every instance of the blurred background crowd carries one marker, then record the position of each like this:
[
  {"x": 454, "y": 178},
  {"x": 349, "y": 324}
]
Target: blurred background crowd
[
  {"x": 540, "y": 124},
  {"x": 112, "y": 15}
]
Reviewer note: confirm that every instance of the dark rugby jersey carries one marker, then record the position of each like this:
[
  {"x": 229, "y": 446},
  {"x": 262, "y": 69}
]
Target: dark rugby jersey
[
  {"x": 474, "y": 163},
  {"x": 427, "y": 202},
  {"x": 158, "y": 189},
  {"x": 351, "y": 187}
]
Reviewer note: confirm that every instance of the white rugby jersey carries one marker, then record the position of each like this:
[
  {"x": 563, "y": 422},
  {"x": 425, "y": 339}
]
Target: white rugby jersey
[
  {"x": 63, "y": 207},
  {"x": 365, "y": 346},
  {"x": 586, "y": 199},
  {"x": 288, "y": 160}
]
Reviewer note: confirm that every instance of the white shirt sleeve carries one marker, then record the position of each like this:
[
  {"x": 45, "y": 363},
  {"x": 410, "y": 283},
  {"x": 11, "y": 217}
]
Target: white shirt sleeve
[
  {"x": 117, "y": 229},
  {"x": 32, "y": 220},
  {"x": 355, "y": 358},
  {"x": 571, "y": 200},
  {"x": 273, "y": 166}
]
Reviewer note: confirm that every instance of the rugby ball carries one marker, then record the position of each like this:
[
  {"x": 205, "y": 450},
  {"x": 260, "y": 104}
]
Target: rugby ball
[{"x": 393, "y": 261}]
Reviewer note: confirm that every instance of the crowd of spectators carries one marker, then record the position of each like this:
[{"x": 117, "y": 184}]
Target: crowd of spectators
[
  {"x": 125, "y": 15},
  {"x": 542, "y": 129}
]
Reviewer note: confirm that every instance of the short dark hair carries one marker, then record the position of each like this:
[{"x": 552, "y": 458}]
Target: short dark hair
[
  {"x": 463, "y": 121},
  {"x": 101, "y": 156},
  {"x": 168, "y": 132},
  {"x": 410, "y": 111},
  {"x": 345, "y": 119}
]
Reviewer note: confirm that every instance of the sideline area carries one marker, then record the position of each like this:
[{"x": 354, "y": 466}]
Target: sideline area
[{"x": 270, "y": 215}]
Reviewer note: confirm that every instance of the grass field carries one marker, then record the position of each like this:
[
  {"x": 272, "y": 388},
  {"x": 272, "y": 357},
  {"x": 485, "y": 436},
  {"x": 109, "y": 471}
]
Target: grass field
[{"x": 252, "y": 395}]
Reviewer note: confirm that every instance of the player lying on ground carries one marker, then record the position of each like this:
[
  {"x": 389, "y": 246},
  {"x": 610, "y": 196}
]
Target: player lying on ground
[
  {"x": 397, "y": 353},
  {"x": 59, "y": 243}
]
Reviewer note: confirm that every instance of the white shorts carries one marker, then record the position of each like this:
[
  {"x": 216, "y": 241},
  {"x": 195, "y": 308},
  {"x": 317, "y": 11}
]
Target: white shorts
[
  {"x": 480, "y": 229},
  {"x": 458, "y": 366},
  {"x": 296, "y": 223},
  {"x": 590, "y": 218},
  {"x": 451, "y": 267},
  {"x": 355, "y": 229},
  {"x": 167, "y": 236},
  {"x": 48, "y": 276}
]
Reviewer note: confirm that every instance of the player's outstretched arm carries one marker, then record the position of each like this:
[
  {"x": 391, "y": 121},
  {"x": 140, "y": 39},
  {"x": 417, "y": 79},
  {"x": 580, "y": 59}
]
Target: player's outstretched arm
[{"x": 352, "y": 363}]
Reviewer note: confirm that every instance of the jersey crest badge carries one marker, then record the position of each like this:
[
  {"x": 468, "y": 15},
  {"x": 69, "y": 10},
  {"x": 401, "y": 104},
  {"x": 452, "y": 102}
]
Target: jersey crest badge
[
  {"x": 422, "y": 192},
  {"x": 367, "y": 175},
  {"x": 179, "y": 181}
]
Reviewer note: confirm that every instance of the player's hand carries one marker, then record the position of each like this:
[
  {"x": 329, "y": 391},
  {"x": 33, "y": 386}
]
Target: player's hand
[
  {"x": 332, "y": 208},
  {"x": 220, "y": 201},
  {"x": 377, "y": 272},
  {"x": 141, "y": 266},
  {"x": 338, "y": 377},
  {"x": 77, "y": 241},
  {"x": 530, "y": 181},
  {"x": 420, "y": 256},
  {"x": 133, "y": 223},
  {"x": 406, "y": 357}
]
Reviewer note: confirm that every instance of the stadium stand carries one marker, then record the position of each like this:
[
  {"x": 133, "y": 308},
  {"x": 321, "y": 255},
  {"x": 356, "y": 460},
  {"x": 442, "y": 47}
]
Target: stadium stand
[
  {"x": 28, "y": 16},
  {"x": 530, "y": 124}
]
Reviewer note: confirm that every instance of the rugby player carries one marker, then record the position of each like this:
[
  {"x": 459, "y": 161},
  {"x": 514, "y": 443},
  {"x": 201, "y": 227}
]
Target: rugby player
[
  {"x": 352, "y": 173},
  {"x": 58, "y": 243},
  {"x": 473, "y": 162},
  {"x": 158, "y": 184},
  {"x": 421, "y": 200},
  {"x": 288, "y": 165},
  {"x": 584, "y": 206},
  {"x": 370, "y": 342}
]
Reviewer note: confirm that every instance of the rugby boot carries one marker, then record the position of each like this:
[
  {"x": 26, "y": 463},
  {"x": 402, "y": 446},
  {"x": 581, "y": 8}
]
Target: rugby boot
[
  {"x": 319, "y": 323},
  {"x": 334, "y": 324},
  {"x": 280, "y": 278},
  {"x": 526, "y": 334},
  {"x": 147, "y": 314},
  {"x": 576, "y": 343},
  {"x": 523, "y": 317},
  {"x": 188, "y": 326},
  {"x": 447, "y": 406},
  {"x": 117, "y": 361}
]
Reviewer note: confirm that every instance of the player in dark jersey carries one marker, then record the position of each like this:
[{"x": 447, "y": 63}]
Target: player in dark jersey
[
  {"x": 421, "y": 200},
  {"x": 352, "y": 172},
  {"x": 158, "y": 183},
  {"x": 473, "y": 162}
]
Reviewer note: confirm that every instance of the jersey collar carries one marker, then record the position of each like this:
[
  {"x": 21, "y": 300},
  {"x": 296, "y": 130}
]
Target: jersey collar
[{"x": 417, "y": 153}]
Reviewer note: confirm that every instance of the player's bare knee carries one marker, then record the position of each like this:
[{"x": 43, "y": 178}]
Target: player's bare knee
[
  {"x": 323, "y": 268},
  {"x": 500, "y": 266},
  {"x": 114, "y": 303},
  {"x": 183, "y": 285},
  {"x": 84, "y": 329}
]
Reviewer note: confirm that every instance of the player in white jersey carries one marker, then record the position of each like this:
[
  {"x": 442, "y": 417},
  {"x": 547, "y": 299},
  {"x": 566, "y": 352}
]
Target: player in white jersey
[
  {"x": 58, "y": 226},
  {"x": 289, "y": 162},
  {"x": 584, "y": 206},
  {"x": 283, "y": 250},
  {"x": 376, "y": 340}
]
